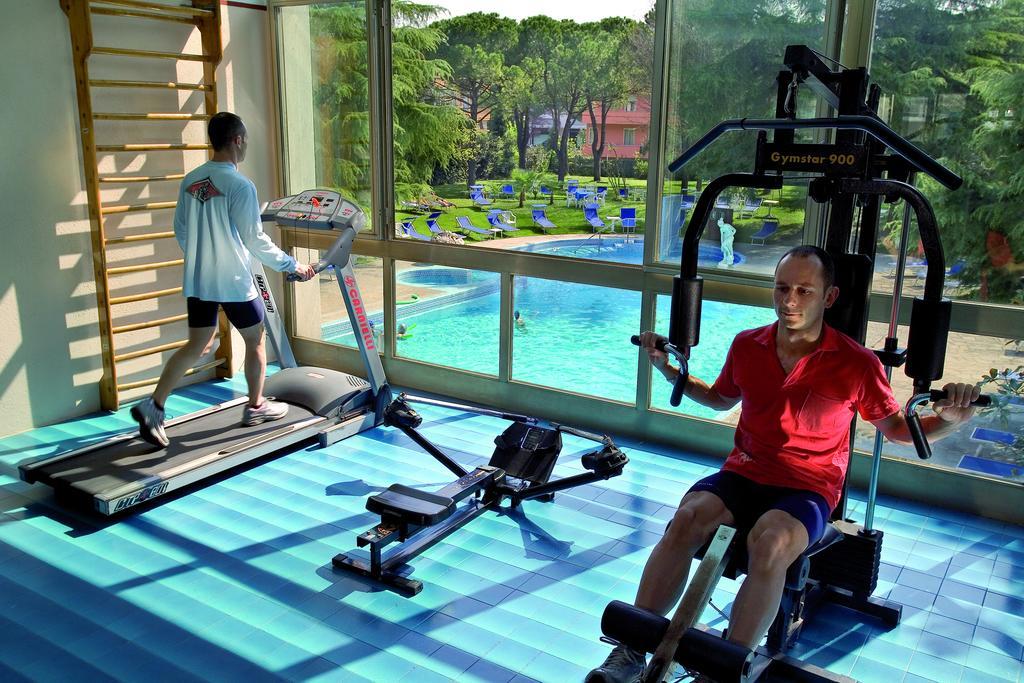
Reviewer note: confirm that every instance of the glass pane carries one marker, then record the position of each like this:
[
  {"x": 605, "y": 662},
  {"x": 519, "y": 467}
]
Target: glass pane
[
  {"x": 513, "y": 128},
  {"x": 722, "y": 63},
  {"x": 575, "y": 337},
  {"x": 950, "y": 78},
  {"x": 320, "y": 311},
  {"x": 324, "y": 98},
  {"x": 719, "y": 323},
  {"x": 448, "y": 316},
  {"x": 992, "y": 442}
]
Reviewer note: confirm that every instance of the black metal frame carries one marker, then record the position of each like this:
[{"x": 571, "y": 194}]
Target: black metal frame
[{"x": 846, "y": 572}]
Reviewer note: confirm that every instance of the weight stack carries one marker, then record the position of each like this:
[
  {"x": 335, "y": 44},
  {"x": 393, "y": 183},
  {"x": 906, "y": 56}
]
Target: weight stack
[{"x": 851, "y": 564}]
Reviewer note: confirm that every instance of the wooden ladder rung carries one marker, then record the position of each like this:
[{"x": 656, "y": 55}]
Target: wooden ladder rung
[
  {"x": 169, "y": 85},
  {"x": 149, "y": 324},
  {"x": 112, "y": 116},
  {"x": 128, "y": 298},
  {"x": 122, "y": 52},
  {"x": 144, "y": 237},
  {"x": 142, "y": 267},
  {"x": 159, "y": 6},
  {"x": 154, "y": 350},
  {"x": 143, "y": 14},
  {"x": 146, "y": 382},
  {"x": 129, "y": 208},
  {"x": 140, "y": 178},
  {"x": 151, "y": 147}
]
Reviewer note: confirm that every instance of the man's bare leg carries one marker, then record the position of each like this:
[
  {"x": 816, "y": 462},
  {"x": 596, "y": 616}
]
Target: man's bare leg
[
  {"x": 255, "y": 362},
  {"x": 699, "y": 515},
  {"x": 774, "y": 543},
  {"x": 199, "y": 341}
]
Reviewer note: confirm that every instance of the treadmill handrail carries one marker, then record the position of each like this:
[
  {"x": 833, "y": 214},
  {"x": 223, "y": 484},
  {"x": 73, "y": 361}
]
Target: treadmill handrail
[{"x": 874, "y": 127}]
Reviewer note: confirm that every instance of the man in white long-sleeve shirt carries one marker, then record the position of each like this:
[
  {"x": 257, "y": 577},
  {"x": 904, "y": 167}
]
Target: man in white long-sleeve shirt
[{"x": 217, "y": 224}]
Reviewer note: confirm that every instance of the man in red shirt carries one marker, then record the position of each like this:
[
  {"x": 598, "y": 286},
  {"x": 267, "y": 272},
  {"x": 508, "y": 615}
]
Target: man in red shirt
[{"x": 801, "y": 383}]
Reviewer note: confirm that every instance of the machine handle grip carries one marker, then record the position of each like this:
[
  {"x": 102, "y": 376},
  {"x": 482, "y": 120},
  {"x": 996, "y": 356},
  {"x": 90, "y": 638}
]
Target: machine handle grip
[
  {"x": 924, "y": 449},
  {"x": 684, "y": 369},
  {"x": 982, "y": 401},
  {"x": 318, "y": 268}
]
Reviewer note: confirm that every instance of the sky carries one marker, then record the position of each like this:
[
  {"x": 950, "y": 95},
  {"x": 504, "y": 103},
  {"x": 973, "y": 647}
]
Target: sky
[{"x": 580, "y": 10}]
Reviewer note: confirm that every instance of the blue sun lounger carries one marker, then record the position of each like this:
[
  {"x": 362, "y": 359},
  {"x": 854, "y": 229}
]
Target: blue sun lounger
[
  {"x": 590, "y": 213},
  {"x": 464, "y": 223},
  {"x": 541, "y": 220},
  {"x": 432, "y": 225},
  {"x": 406, "y": 229}
]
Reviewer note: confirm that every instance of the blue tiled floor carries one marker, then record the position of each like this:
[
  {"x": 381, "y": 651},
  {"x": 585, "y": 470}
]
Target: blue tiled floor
[{"x": 233, "y": 581}]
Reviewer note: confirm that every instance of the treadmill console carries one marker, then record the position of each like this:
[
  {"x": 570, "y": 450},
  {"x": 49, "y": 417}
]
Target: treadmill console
[{"x": 316, "y": 209}]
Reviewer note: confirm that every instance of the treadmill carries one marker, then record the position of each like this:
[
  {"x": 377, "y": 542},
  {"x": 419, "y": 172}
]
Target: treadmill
[{"x": 119, "y": 473}]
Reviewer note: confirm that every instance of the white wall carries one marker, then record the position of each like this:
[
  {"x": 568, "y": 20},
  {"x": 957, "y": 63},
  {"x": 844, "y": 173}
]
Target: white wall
[{"x": 49, "y": 344}]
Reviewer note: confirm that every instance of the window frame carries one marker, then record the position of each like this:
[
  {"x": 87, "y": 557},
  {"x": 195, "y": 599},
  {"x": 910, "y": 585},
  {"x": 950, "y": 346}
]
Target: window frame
[{"x": 849, "y": 35}]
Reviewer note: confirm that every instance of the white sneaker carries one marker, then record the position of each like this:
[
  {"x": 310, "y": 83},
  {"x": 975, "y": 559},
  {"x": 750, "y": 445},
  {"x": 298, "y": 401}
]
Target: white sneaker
[
  {"x": 151, "y": 422},
  {"x": 267, "y": 411}
]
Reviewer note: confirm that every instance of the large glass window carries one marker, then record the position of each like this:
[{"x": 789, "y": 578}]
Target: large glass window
[
  {"x": 991, "y": 443},
  {"x": 320, "y": 311},
  {"x": 950, "y": 77},
  {"x": 720, "y": 323},
  {"x": 322, "y": 62},
  {"x": 722, "y": 62},
  {"x": 575, "y": 337},
  {"x": 447, "y": 316},
  {"x": 512, "y": 129}
]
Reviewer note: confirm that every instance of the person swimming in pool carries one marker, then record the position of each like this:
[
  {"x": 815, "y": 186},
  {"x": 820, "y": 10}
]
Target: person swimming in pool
[{"x": 520, "y": 320}]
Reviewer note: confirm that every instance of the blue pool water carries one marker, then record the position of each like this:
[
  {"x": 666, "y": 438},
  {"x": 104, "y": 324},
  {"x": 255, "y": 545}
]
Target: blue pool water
[
  {"x": 620, "y": 250},
  {"x": 575, "y": 337}
]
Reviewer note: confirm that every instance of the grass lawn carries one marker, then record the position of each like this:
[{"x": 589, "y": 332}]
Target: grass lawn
[{"x": 789, "y": 211}]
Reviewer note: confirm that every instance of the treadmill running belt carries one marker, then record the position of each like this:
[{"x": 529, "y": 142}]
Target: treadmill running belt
[{"x": 136, "y": 460}]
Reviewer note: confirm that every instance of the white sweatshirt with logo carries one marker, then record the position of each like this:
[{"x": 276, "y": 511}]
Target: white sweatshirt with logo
[{"x": 217, "y": 224}]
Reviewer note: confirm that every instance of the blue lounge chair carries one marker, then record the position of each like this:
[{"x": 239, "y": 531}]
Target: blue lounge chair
[
  {"x": 540, "y": 218},
  {"x": 406, "y": 229},
  {"x": 627, "y": 216},
  {"x": 464, "y": 223},
  {"x": 768, "y": 228},
  {"x": 722, "y": 202},
  {"x": 496, "y": 219},
  {"x": 508, "y": 191},
  {"x": 545, "y": 191},
  {"x": 749, "y": 207},
  {"x": 477, "y": 195},
  {"x": 590, "y": 213},
  {"x": 688, "y": 201},
  {"x": 623, "y": 194},
  {"x": 432, "y": 225},
  {"x": 601, "y": 194},
  {"x": 571, "y": 185}
]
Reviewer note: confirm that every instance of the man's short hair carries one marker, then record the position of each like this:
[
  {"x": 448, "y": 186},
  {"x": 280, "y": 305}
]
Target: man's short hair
[
  {"x": 223, "y": 128},
  {"x": 828, "y": 266}
]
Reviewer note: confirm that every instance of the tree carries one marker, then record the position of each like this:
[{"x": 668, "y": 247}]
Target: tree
[
  {"x": 612, "y": 77},
  {"x": 519, "y": 100},
  {"x": 955, "y": 66},
  {"x": 425, "y": 134},
  {"x": 473, "y": 48}
]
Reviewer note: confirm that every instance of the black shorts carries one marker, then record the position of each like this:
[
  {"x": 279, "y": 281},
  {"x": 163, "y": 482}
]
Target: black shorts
[
  {"x": 241, "y": 314},
  {"x": 747, "y": 501}
]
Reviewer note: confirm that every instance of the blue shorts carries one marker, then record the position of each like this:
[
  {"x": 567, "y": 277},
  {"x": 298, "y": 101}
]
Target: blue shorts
[
  {"x": 747, "y": 501},
  {"x": 241, "y": 314}
]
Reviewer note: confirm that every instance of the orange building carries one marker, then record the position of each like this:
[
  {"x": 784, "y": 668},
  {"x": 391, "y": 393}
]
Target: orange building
[{"x": 626, "y": 129}]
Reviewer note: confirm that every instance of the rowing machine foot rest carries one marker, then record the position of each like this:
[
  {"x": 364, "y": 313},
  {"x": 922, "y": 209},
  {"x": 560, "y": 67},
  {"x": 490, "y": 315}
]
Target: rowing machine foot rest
[
  {"x": 709, "y": 654},
  {"x": 411, "y": 506}
]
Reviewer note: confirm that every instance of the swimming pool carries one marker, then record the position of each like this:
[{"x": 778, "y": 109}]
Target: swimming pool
[
  {"x": 575, "y": 337},
  {"x": 621, "y": 250}
]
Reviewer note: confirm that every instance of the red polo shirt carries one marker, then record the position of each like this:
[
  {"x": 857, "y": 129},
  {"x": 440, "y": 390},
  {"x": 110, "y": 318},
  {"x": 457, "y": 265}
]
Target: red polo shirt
[{"x": 794, "y": 429}]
